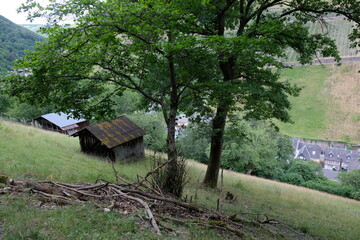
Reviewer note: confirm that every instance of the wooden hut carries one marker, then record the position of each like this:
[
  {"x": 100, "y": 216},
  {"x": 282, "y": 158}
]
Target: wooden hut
[
  {"x": 61, "y": 123},
  {"x": 117, "y": 139}
]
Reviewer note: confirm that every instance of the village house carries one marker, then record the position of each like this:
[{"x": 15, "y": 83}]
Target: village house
[
  {"x": 117, "y": 139},
  {"x": 309, "y": 152},
  {"x": 340, "y": 159},
  {"x": 61, "y": 123},
  {"x": 333, "y": 159}
]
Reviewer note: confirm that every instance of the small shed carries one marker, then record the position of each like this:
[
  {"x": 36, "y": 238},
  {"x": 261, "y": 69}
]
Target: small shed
[
  {"x": 61, "y": 123},
  {"x": 117, "y": 139}
]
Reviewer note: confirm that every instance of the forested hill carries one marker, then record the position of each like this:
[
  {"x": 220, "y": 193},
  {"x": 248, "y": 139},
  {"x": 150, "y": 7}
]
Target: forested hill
[{"x": 14, "y": 39}]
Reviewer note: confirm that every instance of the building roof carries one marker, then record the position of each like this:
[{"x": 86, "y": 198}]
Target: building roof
[
  {"x": 310, "y": 151},
  {"x": 114, "y": 132},
  {"x": 337, "y": 154},
  {"x": 61, "y": 119}
]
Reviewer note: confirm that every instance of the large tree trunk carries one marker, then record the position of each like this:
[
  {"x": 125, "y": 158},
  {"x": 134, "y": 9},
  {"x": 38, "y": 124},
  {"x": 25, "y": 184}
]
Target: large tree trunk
[
  {"x": 173, "y": 182},
  {"x": 218, "y": 127},
  {"x": 170, "y": 180},
  {"x": 217, "y": 139}
]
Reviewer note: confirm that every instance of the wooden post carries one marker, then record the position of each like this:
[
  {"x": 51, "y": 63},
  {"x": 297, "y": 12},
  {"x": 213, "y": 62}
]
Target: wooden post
[{"x": 221, "y": 189}]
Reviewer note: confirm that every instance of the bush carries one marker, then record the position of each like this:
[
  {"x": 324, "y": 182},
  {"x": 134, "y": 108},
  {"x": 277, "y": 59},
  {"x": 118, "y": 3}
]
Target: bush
[
  {"x": 292, "y": 178},
  {"x": 154, "y": 125},
  {"x": 352, "y": 180},
  {"x": 329, "y": 187},
  {"x": 194, "y": 140},
  {"x": 307, "y": 169}
]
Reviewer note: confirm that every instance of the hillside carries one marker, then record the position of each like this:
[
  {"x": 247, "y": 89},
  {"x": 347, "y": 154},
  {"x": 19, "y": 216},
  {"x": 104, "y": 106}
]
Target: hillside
[
  {"x": 14, "y": 39},
  {"x": 328, "y": 105},
  {"x": 32, "y": 154}
]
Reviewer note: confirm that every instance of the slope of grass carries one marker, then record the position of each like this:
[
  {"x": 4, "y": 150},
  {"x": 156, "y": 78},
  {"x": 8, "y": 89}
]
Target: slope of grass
[
  {"x": 323, "y": 215},
  {"x": 27, "y": 153},
  {"x": 308, "y": 110},
  {"x": 327, "y": 107}
]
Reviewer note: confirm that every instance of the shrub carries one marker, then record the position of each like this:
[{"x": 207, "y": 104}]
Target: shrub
[
  {"x": 329, "y": 187},
  {"x": 292, "y": 178}
]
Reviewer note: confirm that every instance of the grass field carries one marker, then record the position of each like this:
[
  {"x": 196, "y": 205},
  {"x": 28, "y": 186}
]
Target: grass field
[
  {"x": 328, "y": 106},
  {"x": 32, "y": 154}
]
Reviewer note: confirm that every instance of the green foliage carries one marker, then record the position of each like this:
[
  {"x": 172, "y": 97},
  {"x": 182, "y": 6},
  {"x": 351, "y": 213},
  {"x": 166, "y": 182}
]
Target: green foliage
[
  {"x": 4, "y": 103},
  {"x": 155, "y": 139},
  {"x": 308, "y": 170},
  {"x": 352, "y": 179},
  {"x": 14, "y": 40},
  {"x": 194, "y": 140},
  {"x": 292, "y": 178},
  {"x": 255, "y": 147},
  {"x": 299, "y": 172},
  {"x": 127, "y": 103},
  {"x": 27, "y": 111},
  {"x": 250, "y": 147},
  {"x": 329, "y": 187}
]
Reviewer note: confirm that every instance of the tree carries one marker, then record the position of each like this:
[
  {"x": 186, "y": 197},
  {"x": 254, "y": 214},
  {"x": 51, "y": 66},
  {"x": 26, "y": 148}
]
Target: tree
[
  {"x": 5, "y": 103},
  {"x": 352, "y": 179},
  {"x": 155, "y": 139},
  {"x": 253, "y": 35},
  {"x": 193, "y": 141},
  {"x": 146, "y": 46},
  {"x": 256, "y": 148}
]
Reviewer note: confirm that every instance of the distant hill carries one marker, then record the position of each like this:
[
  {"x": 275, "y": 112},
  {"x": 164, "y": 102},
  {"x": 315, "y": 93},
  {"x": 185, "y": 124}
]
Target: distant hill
[{"x": 14, "y": 39}]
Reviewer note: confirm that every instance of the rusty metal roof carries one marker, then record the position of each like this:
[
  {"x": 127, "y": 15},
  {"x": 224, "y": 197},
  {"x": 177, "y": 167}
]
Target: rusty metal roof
[{"x": 115, "y": 132}]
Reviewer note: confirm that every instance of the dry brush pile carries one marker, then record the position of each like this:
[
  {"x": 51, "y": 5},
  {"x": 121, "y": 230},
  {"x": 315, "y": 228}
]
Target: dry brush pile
[{"x": 160, "y": 208}]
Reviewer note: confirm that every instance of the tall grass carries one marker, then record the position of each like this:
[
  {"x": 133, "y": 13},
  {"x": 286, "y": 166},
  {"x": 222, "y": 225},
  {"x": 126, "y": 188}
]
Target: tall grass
[
  {"x": 324, "y": 215},
  {"x": 28, "y": 153}
]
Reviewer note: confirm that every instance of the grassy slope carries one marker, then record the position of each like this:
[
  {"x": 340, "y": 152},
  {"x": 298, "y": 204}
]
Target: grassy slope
[
  {"x": 327, "y": 107},
  {"x": 27, "y": 153}
]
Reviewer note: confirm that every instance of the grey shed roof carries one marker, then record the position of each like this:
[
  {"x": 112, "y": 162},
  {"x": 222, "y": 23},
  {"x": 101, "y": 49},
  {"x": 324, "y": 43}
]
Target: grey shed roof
[{"x": 61, "y": 119}]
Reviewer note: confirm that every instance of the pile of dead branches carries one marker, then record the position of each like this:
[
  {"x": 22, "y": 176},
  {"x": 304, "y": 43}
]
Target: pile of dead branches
[{"x": 131, "y": 197}]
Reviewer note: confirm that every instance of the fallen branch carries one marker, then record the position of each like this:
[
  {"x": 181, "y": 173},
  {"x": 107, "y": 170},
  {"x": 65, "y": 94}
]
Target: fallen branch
[
  {"x": 129, "y": 198},
  {"x": 147, "y": 209}
]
